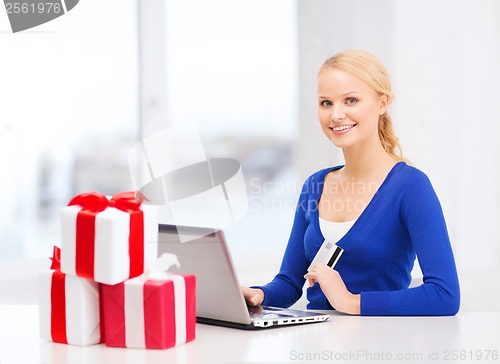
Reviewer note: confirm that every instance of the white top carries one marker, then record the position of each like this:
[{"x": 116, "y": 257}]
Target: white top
[{"x": 334, "y": 231}]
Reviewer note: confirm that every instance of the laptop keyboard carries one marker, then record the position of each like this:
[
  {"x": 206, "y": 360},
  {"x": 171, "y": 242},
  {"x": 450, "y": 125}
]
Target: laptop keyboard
[{"x": 267, "y": 313}]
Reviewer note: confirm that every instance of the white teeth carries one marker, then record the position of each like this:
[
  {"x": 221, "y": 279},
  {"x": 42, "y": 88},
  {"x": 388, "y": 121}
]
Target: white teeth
[{"x": 343, "y": 127}]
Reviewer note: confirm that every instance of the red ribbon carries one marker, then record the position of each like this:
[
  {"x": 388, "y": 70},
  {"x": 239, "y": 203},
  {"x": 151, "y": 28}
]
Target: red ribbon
[
  {"x": 58, "y": 308},
  {"x": 94, "y": 202},
  {"x": 56, "y": 258},
  {"x": 57, "y": 299}
]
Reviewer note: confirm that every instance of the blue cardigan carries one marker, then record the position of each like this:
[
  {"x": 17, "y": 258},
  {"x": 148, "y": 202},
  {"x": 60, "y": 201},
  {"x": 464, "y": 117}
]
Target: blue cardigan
[{"x": 404, "y": 219}]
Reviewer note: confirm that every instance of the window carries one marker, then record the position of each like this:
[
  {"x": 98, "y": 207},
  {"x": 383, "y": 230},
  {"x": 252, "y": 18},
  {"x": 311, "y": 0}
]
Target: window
[{"x": 69, "y": 115}]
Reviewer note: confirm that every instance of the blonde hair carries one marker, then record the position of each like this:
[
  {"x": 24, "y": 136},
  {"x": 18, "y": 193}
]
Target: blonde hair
[{"x": 370, "y": 70}]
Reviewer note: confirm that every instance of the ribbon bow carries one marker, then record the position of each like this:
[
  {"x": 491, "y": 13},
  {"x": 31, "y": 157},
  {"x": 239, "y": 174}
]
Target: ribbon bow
[
  {"x": 97, "y": 202},
  {"x": 158, "y": 269}
]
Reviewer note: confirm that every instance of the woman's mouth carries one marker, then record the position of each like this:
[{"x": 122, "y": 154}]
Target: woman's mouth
[{"x": 341, "y": 129}]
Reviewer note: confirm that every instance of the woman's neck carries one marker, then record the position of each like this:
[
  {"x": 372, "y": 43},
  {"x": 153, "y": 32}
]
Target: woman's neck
[{"x": 367, "y": 161}]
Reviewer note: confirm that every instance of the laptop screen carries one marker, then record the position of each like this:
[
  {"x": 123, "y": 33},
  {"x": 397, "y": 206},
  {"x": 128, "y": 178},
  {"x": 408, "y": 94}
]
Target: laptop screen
[{"x": 205, "y": 254}]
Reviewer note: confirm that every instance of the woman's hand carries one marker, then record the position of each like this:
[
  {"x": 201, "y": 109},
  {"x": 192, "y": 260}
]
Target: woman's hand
[
  {"x": 333, "y": 287},
  {"x": 253, "y": 296}
]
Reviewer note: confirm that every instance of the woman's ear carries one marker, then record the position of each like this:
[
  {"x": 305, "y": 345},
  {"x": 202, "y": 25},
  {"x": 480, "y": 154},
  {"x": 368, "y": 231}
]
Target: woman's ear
[{"x": 384, "y": 103}]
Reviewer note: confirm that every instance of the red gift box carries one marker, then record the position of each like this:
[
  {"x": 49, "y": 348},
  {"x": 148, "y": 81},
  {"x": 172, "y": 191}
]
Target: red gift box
[{"x": 150, "y": 313}]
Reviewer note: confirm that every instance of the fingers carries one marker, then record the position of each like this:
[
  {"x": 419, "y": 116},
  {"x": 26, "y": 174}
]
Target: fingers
[
  {"x": 321, "y": 267},
  {"x": 319, "y": 273},
  {"x": 311, "y": 278},
  {"x": 253, "y": 296},
  {"x": 316, "y": 270}
]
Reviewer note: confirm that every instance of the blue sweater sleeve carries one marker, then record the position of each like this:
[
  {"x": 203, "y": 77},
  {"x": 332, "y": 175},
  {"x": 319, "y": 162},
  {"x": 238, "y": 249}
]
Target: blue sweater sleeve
[
  {"x": 439, "y": 294},
  {"x": 286, "y": 287}
]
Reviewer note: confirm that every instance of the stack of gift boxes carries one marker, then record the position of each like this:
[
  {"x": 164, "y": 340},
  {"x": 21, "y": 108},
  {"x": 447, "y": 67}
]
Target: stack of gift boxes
[{"x": 106, "y": 283}]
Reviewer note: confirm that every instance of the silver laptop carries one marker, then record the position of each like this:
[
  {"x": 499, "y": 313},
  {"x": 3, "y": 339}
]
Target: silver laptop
[{"x": 219, "y": 299}]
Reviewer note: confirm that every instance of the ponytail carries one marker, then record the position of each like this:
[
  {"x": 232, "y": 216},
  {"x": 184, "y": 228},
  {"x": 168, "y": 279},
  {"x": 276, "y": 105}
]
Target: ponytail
[{"x": 388, "y": 138}]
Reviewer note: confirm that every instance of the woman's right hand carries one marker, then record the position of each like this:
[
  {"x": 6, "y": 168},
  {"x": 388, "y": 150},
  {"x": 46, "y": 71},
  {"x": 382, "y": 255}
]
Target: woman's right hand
[{"x": 253, "y": 296}]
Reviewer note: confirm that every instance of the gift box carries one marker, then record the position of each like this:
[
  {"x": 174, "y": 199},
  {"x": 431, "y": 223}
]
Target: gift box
[
  {"x": 108, "y": 240},
  {"x": 69, "y": 307},
  {"x": 153, "y": 311}
]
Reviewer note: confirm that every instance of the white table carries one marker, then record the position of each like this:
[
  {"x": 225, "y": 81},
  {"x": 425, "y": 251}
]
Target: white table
[{"x": 341, "y": 339}]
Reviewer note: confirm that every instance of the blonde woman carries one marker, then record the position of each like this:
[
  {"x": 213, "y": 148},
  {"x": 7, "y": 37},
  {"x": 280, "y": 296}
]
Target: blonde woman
[{"x": 380, "y": 210}]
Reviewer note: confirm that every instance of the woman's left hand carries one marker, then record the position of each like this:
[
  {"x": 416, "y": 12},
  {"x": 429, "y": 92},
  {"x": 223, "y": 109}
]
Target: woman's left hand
[{"x": 333, "y": 287}]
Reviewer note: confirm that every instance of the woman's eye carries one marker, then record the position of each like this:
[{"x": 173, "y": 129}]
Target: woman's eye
[
  {"x": 351, "y": 100},
  {"x": 326, "y": 103}
]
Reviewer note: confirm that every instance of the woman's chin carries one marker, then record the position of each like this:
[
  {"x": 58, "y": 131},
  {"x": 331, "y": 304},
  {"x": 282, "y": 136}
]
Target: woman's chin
[{"x": 339, "y": 143}]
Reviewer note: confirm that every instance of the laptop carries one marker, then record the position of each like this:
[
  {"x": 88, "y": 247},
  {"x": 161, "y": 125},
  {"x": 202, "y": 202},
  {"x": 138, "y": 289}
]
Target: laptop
[{"x": 219, "y": 299}]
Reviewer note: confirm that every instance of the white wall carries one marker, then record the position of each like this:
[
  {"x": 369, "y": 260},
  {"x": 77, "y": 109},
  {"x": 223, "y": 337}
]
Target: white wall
[{"x": 443, "y": 57}]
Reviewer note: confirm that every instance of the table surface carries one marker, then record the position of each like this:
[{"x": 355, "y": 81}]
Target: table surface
[{"x": 467, "y": 337}]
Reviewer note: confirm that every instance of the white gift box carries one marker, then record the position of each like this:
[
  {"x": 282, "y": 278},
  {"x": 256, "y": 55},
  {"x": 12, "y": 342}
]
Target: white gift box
[
  {"x": 69, "y": 309},
  {"x": 101, "y": 248}
]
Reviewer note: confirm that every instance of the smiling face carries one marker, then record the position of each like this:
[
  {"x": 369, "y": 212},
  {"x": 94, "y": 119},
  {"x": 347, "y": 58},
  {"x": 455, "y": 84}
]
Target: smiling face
[{"x": 348, "y": 108}]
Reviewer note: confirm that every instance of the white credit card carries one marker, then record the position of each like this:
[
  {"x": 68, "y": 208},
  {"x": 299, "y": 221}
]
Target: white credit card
[{"x": 329, "y": 253}]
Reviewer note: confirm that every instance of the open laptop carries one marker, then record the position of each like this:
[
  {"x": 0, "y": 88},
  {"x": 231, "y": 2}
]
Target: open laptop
[{"x": 219, "y": 299}]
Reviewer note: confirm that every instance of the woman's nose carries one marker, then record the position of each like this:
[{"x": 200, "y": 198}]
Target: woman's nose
[{"x": 337, "y": 114}]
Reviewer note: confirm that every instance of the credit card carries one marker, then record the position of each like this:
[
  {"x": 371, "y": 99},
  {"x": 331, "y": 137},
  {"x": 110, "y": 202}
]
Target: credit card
[{"x": 329, "y": 253}]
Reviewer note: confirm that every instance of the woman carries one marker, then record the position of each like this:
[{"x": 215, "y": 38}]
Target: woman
[{"x": 380, "y": 210}]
